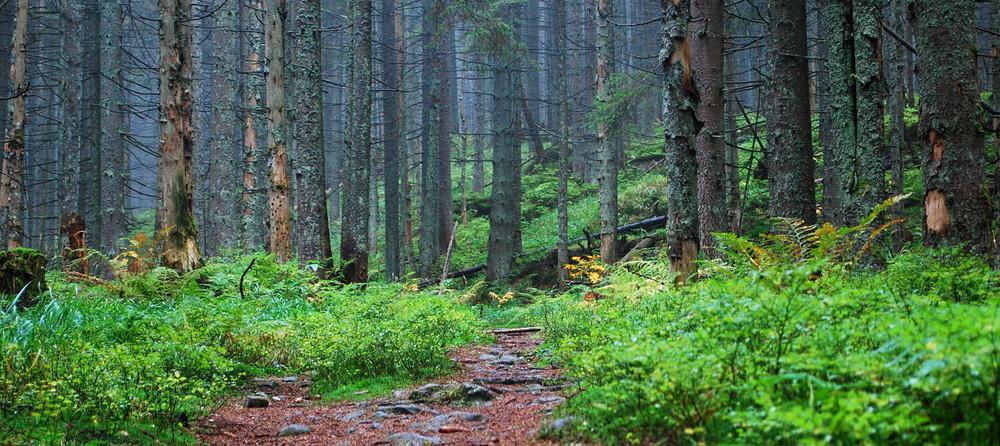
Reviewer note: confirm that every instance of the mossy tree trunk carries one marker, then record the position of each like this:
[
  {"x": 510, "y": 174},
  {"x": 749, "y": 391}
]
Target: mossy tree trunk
[
  {"x": 12, "y": 168},
  {"x": 175, "y": 223},
  {"x": 854, "y": 64},
  {"x": 355, "y": 216},
  {"x": 680, "y": 104},
  {"x": 955, "y": 206},
  {"x": 790, "y": 164}
]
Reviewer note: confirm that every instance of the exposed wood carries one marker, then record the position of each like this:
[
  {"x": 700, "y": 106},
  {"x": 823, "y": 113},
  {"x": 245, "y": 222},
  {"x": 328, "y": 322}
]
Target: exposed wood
[{"x": 636, "y": 250}]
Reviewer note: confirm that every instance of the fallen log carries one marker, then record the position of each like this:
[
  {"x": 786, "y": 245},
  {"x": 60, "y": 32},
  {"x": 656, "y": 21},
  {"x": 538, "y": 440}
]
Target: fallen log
[{"x": 634, "y": 252}]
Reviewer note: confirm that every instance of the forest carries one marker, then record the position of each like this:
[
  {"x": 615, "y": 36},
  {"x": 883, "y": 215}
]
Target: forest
[{"x": 500, "y": 222}]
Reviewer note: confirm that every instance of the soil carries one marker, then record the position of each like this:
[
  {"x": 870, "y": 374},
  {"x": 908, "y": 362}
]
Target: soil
[{"x": 523, "y": 395}]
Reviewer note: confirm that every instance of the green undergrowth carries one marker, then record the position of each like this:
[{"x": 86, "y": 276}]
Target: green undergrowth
[
  {"x": 139, "y": 359},
  {"x": 801, "y": 350}
]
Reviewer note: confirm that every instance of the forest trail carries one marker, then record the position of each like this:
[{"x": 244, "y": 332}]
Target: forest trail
[{"x": 499, "y": 397}]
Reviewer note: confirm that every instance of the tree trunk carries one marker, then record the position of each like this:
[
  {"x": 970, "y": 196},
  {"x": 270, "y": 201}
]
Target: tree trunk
[
  {"x": 175, "y": 213},
  {"x": 505, "y": 207},
  {"x": 680, "y": 104},
  {"x": 69, "y": 152},
  {"x": 734, "y": 203},
  {"x": 90, "y": 121},
  {"x": 392, "y": 109},
  {"x": 432, "y": 221},
  {"x": 6, "y": 35},
  {"x": 224, "y": 139},
  {"x": 855, "y": 110},
  {"x": 954, "y": 153},
  {"x": 607, "y": 133},
  {"x": 354, "y": 225},
  {"x": 279, "y": 201},
  {"x": 995, "y": 53},
  {"x": 12, "y": 183},
  {"x": 443, "y": 62},
  {"x": 789, "y": 157},
  {"x": 896, "y": 85},
  {"x": 252, "y": 198},
  {"x": 563, "y": 111},
  {"x": 114, "y": 127},
  {"x": 312, "y": 222},
  {"x": 706, "y": 45}
]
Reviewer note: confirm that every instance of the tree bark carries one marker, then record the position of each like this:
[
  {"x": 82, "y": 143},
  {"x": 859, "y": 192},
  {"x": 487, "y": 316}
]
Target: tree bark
[
  {"x": 90, "y": 121},
  {"x": 175, "y": 214},
  {"x": 563, "y": 111},
  {"x": 505, "y": 209},
  {"x": 12, "y": 183},
  {"x": 855, "y": 111},
  {"x": 707, "y": 69},
  {"x": 680, "y": 104},
  {"x": 955, "y": 209},
  {"x": 392, "y": 109},
  {"x": 6, "y": 35},
  {"x": 224, "y": 140},
  {"x": 252, "y": 198},
  {"x": 789, "y": 157},
  {"x": 114, "y": 126},
  {"x": 69, "y": 152},
  {"x": 312, "y": 221},
  {"x": 432, "y": 222},
  {"x": 354, "y": 224},
  {"x": 896, "y": 85},
  {"x": 279, "y": 201},
  {"x": 607, "y": 129}
]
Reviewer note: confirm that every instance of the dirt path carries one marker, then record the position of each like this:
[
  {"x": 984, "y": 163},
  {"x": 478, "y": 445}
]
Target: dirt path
[{"x": 498, "y": 398}]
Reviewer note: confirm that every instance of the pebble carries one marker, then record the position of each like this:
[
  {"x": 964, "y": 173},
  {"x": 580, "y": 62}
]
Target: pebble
[
  {"x": 294, "y": 429},
  {"x": 412, "y": 439}
]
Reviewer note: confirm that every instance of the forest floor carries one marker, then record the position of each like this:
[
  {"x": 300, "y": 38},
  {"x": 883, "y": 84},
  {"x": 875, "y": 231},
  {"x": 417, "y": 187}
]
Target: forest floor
[{"x": 498, "y": 397}]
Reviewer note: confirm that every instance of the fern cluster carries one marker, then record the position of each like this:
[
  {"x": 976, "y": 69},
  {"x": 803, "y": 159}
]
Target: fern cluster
[{"x": 793, "y": 241}]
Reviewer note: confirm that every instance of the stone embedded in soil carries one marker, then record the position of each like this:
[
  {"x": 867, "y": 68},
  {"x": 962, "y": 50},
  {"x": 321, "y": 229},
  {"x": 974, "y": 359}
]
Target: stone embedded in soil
[
  {"x": 402, "y": 409},
  {"x": 257, "y": 402},
  {"x": 509, "y": 359},
  {"x": 452, "y": 393},
  {"x": 555, "y": 428},
  {"x": 412, "y": 439},
  {"x": 437, "y": 423},
  {"x": 487, "y": 357},
  {"x": 294, "y": 429},
  {"x": 290, "y": 379},
  {"x": 356, "y": 415},
  {"x": 265, "y": 383}
]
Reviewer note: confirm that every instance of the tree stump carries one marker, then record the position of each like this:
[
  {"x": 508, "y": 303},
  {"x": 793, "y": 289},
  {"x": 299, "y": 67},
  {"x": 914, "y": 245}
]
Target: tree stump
[
  {"x": 75, "y": 251},
  {"x": 23, "y": 269}
]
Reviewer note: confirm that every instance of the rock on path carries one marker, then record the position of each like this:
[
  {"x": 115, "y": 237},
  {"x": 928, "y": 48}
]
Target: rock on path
[{"x": 499, "y": 398}]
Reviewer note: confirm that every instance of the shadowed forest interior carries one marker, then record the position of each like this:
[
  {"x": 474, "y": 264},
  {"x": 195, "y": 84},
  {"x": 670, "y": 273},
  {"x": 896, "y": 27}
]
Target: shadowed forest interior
[{"x": 597, "y": 221}]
